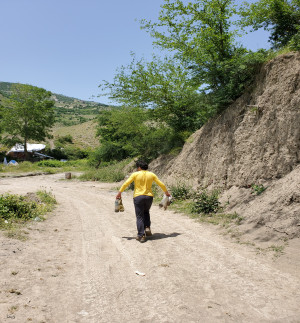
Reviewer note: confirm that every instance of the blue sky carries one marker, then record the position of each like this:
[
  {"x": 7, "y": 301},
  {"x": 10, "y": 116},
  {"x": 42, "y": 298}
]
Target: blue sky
[{"x": 70, "y": 46}]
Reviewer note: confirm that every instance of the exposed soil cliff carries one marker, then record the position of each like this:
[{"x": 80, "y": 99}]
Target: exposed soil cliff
[{"x": 255, "y": 141}]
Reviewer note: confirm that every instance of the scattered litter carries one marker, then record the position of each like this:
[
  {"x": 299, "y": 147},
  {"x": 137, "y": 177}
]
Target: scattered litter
[
  {"x": 6, "y": 221},
  {"x": 10, "y": 316},
  {"x": 37, "y": 219},
  {"x": 83, "y": 313},
  {"x": 139, "y": 273}
]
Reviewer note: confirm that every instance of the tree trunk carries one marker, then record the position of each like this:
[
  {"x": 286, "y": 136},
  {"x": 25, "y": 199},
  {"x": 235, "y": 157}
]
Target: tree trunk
[{"x": 25, "y": 149}]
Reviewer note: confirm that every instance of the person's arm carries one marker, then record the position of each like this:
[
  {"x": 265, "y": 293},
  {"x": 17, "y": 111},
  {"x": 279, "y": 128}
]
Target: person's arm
[
  {"x": 161, "y": 185},
  {"x": 123, "y": 187}
]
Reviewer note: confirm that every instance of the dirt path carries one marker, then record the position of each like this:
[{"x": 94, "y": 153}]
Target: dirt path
[{"x": 79, "y": 266}]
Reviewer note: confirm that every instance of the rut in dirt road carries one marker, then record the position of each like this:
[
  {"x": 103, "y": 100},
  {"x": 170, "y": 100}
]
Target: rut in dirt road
[{"x": 79, "y": 266}]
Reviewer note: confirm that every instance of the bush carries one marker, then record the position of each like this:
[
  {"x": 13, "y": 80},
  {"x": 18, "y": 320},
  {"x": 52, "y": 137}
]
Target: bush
[
  {"x": 64, "y": 139},
  {"x": 47, "y": 201},
  {"x": 15, "y": 206},
  {"x": 181, "y": 191},
  {"x": 74, "y": 153},
  {"x": 69, "y": 152},
  {"x": 107, "y": 152},
  {"x": 205, "y": 202},
  {"x": 16, "y": 209},
  {"x": 57, "y": 153}
]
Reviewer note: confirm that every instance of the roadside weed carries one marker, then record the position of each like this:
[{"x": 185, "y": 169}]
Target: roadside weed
[
  {"x": 258, "y": 189},
  {"x": 16, "y": 210},
  {"x": 206, "y": 202},
  {"x": 181, "y": 191}
]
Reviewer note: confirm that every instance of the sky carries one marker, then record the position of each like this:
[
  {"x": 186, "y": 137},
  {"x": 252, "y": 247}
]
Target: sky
[{"x": 70, "y": 46}]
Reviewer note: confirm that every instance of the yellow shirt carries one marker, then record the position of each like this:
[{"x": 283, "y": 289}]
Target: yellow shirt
[{"x": 143, "y": 180}]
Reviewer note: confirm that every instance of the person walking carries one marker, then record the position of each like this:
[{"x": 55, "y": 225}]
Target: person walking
[{"x": 142, "y": 197}]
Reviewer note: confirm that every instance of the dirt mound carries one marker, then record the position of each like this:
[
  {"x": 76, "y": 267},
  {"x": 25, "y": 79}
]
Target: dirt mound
[
  {"x": 255, "y": 141},
  {"x": 272, "y": 215}
]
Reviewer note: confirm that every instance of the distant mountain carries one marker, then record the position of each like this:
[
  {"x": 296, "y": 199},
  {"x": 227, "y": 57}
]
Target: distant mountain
[{"x": 69, "y": 111}]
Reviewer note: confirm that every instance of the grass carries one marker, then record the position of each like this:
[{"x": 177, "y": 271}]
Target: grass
[
  {"x": 47, "y": 166},
  {"x": 110, "y": 173},
  {"x": 202, "y": 205},
  {"x": 223, "y": 219},
  {"x": 84, "y": 134},
  {"x": 278, "y": 250}
]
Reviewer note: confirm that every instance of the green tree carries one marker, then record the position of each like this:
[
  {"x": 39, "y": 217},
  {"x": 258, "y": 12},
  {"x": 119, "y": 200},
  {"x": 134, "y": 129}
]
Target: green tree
[
  {"x": 199, "y": 32},
  {"x": 28, "y": 114},
  {"x": 161, "y": 85},
  {"x": 127, "y": 132},
  {"x": 203, "y": 37},
  {"x": 280, "y": 17}
]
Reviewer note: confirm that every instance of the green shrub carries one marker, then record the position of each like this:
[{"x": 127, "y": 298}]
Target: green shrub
[
  {"x": 205, "y": 202},
  {"x": 47, "y": 201},
  {"x": 181, "y": 191},
  {"x": 74, "y": 153},
  {"x": 257, "y": 189},
  {"x": 15, "y": 210},
  {"x": 57, "y": 153},
  {"x": 64, "y": 139},
  {"x": 15, "y": 206}
]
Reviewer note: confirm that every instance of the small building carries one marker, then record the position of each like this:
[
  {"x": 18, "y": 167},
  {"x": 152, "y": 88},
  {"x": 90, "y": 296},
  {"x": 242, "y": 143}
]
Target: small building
[{"x": 35, "y": 152}]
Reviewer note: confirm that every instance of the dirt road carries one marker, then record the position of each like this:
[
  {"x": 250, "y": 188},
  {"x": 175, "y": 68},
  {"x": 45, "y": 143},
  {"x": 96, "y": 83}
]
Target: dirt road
[{"x": 79, "y": 266}]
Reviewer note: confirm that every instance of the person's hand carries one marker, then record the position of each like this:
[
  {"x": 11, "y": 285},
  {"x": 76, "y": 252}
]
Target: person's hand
[
  {"x": 167, "y": 193},
  {"x": 118, "y": 196}
]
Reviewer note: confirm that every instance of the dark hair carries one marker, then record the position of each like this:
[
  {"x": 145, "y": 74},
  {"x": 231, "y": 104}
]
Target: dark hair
[{"x": 142, "y": 164}]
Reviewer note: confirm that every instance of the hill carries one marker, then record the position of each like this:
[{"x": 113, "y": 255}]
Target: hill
[
  {"x": 83, "y": 134},
  {"x": 256, "y": 141},
  {"x": 74, "y": 117},
  {"x": 69, "y": 111}
]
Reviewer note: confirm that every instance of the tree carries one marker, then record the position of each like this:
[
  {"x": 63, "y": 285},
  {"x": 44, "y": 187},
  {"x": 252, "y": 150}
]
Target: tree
[
  {"x": 280, "y": 17},
  {"x": 127, "y": 132},
  {"x": 28, "y": 114},
  {"x": 161, "y": 85},
  {"x": 202, "y": 36},
  {"x": 199, "y": 33}
]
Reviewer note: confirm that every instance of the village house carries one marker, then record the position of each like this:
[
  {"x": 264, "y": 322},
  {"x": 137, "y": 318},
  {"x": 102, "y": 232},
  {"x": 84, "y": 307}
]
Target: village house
[{"x": 35, "y": 152}]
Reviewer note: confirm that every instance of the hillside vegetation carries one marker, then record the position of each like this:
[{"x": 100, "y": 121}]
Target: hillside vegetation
[
  {"x": 68, "y": 111},
  {"x": 83, "y": 134},
  {"x": 72, "y": 117}
]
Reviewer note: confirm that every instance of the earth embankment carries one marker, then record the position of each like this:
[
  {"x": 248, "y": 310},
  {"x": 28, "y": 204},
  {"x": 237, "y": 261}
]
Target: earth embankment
[{"x": 255, "y": 141}]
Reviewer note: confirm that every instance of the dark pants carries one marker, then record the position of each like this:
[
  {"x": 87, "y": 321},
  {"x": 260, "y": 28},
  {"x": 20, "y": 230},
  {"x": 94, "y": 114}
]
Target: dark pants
[{"x": 142, "y": 205}]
